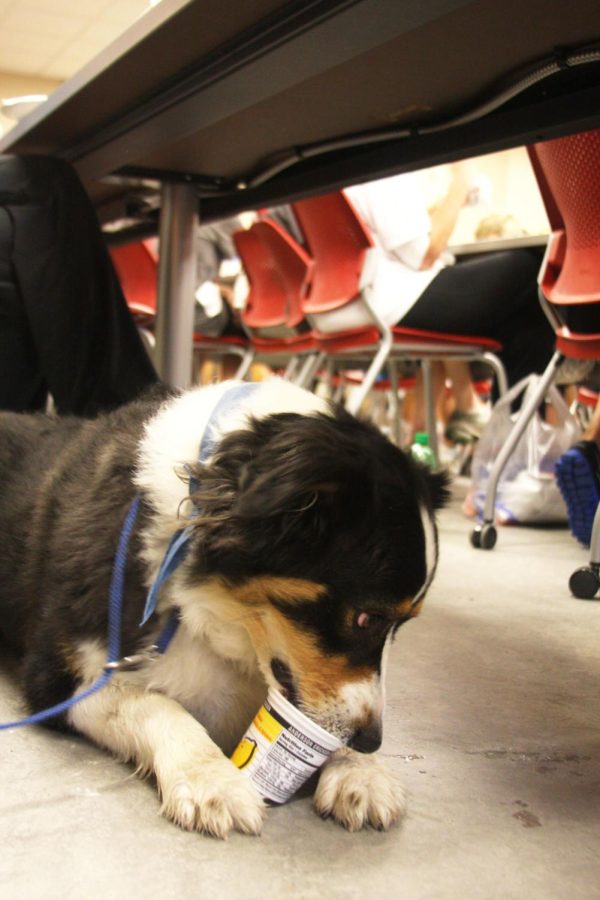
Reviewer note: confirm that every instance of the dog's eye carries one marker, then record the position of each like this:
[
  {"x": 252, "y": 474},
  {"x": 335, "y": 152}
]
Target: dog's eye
[{"x": 369, "y": 621}]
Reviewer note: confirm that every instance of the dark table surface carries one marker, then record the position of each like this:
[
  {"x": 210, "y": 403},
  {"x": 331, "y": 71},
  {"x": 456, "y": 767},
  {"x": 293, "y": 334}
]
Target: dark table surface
[{"x": 258, "y": 101}]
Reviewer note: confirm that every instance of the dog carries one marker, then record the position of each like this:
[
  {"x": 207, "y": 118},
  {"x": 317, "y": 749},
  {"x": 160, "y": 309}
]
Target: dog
[{"x": 310, "y": 538}]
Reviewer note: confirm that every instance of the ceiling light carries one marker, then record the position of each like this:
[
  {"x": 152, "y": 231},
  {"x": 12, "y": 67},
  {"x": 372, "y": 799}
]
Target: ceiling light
[{"x": 18, "y": 107}]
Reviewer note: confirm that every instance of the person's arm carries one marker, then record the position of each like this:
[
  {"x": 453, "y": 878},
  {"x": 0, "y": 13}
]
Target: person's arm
[{"x": 443, "y": 217}]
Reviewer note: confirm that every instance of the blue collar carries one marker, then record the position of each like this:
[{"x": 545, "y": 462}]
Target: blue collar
[{"x": 179, "y": 543}]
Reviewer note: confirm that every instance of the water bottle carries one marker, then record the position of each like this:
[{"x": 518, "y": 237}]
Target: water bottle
[{"x": 421, "y": 451}]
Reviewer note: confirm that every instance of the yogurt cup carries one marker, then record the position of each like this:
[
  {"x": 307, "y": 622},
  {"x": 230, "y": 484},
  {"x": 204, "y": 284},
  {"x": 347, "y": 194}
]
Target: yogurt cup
[{"x": 282, "y": 748}]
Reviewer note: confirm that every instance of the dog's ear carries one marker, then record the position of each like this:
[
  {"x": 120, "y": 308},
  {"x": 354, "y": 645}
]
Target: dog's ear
[
  {"x": 305, "y": 499},
  {"x": 439, "y": 488},
  {"x": 258, "y": 504},
  {"x": 278, "y": 492},
  {"x": 283, "y": 475}
]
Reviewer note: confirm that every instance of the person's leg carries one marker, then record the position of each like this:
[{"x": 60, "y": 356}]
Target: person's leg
[
  {"x": 87, "y": 348},
  {"x": 466, "y": 397},
  {"x": 492, "y": 296},
  {"x": 438, "y": 379},
  {"x": 470, "y": 415}
]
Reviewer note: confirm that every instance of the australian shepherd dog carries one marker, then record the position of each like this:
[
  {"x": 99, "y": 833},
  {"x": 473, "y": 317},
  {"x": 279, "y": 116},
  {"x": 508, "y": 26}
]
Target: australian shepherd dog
[{"x": 310, "y": 539}]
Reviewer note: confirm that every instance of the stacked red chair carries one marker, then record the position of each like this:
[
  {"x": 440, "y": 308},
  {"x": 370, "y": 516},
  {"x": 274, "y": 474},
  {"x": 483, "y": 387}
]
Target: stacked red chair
[
  {"x": 136, "y": 265},
  {"x": 279, "y": 272},
  {"x": 340, "y": 245}
]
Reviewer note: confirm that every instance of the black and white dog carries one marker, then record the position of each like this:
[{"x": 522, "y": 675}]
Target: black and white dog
[{"x": 311, "y": 538}]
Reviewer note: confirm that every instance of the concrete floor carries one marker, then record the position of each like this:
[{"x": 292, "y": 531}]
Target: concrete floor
[{"x": 493, "y": 722}]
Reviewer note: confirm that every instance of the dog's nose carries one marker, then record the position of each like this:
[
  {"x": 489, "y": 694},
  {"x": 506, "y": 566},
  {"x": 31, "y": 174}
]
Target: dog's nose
[{"x": 367, "y": 739}]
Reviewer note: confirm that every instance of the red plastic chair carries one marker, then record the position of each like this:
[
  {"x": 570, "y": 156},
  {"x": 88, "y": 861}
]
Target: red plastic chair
[
  {"x": 568, "y": 174},
  {"x": 278, "y": 272},
  {"x": 136, "y": 265},
  {"x": 567, "y": 171},
  {"x": 340, "y": 245}
]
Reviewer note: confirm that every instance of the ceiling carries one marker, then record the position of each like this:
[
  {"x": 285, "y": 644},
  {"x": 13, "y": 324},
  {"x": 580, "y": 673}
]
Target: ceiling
[{"x": 55, "y": 38}]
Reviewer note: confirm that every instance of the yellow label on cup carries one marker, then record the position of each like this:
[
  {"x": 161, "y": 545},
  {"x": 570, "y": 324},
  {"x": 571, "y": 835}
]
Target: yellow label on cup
[
  {"x": 267, "y": 725},
  {"x": 243, "y": 753}
]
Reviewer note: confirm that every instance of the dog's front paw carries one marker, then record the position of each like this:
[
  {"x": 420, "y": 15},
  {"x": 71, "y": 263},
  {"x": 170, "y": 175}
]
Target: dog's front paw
[
  {"x": 357, "y": 791},
  {"x": 213, "y": 797}
]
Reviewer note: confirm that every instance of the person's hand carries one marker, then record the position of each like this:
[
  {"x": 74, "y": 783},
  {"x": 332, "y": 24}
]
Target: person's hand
[{"x": 443, "y": 217}]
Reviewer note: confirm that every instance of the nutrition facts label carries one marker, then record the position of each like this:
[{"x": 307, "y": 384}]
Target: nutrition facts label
[{"x": 283, "y": 770}]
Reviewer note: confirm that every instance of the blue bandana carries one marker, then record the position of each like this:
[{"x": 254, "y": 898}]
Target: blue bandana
[{"x": 179, "y": 543}]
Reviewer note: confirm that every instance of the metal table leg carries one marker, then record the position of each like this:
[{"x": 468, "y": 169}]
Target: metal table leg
[{"x": 173, "y": 353}]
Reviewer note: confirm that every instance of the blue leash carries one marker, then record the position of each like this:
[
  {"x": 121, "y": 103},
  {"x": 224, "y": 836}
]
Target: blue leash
[
  {"x": 115, "y": 603},
  {"x": 174, "y": 555}
]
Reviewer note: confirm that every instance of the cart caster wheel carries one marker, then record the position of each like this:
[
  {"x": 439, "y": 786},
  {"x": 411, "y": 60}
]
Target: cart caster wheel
[
  {"x": 584, "y": 583},
  {"x": 483, "y": 537},
  {"x": 489, "y": 536}
]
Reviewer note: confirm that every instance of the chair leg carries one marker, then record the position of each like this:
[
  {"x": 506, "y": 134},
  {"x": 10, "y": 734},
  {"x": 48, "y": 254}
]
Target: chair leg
[
  {"x": 245, "y": 363},
  {"x": 326, "y": 381},
  {"x": 524, "y": 417},
  {"x": 356, "y": 400},
  {"x": 309, "y": 369},
  {"x": 291, "y": 368},
  {"x": 430, "y": 416},
  {"x": 394, "y": 404},
  {"x": 338, "y": 393},
  {"x": 500, "y": 372}
]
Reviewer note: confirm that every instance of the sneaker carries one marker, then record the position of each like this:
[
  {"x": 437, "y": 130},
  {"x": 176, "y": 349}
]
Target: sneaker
[
  {"x": 466, "y": 427},
  {"x": 572, "y": 371},
  {"x": 578, "y": 478}
]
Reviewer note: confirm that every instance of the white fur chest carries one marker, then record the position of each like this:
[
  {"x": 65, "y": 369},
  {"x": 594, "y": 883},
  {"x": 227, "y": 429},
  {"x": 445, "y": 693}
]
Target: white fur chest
[
  {"x": 222, "y": 694},
  {"x": 210, "y": 667}
]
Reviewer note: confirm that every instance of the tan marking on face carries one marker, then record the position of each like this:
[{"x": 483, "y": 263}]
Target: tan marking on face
[
  {"x": 337, "y": 695},
  {"x": 320, "y": 676},
  {"x": 289, "y": 591}
]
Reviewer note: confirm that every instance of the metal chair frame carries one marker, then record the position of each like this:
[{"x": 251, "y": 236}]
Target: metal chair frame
[
  {"x": 584, "y": 582},
  {"x": 381, "y": 344}
]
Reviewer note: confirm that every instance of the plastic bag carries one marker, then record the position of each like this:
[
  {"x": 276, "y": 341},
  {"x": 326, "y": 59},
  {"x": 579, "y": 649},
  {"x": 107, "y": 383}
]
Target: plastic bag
[{"x": 527, "y": 490}]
